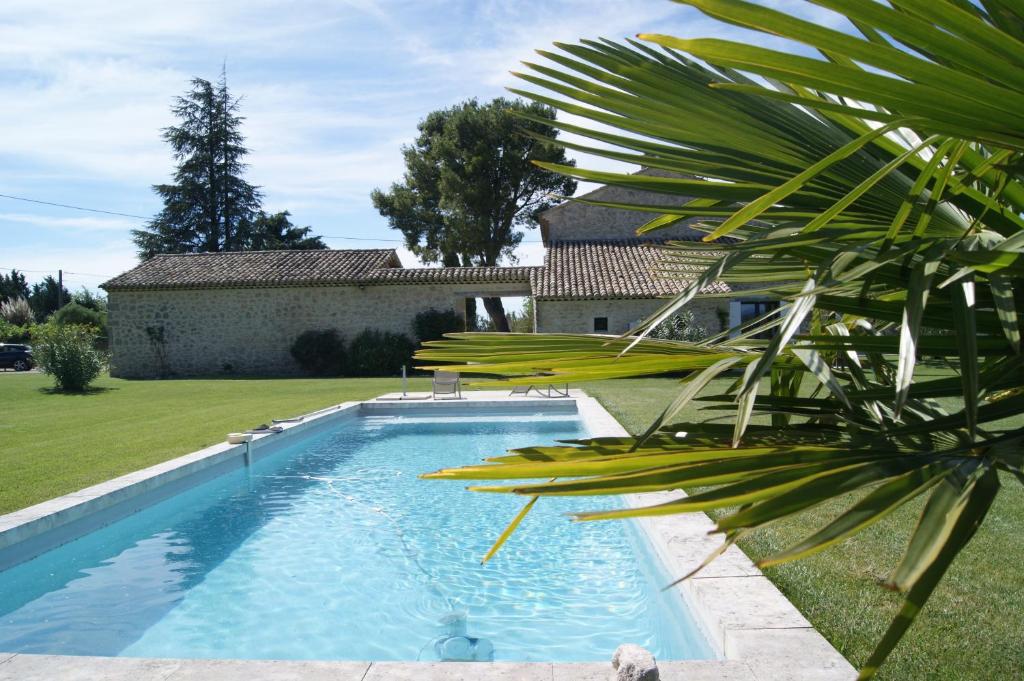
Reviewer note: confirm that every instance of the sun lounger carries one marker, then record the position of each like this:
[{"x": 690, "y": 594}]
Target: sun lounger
[{"x": 552, "y": 390}]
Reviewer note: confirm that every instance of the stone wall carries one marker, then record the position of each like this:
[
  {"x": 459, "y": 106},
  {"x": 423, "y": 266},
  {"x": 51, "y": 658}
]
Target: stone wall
[
  {"x": 577, "y": 316},
  {"x": 250, "y": 331},
  {"x": 574, "y": 221}
]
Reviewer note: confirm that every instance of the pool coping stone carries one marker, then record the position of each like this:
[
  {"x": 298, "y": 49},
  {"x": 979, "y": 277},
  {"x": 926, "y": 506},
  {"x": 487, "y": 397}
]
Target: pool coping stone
[{"x": 756, "y": 632}]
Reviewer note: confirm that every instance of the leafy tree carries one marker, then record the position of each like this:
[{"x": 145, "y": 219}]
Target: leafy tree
[
  {"x": 46, "y": 296},
  {"x": 13, "y": 285},
  {"x": 472, "y": 181},
  {"x": 879, "y": 189},
  {"x": 276, "y": 232}
]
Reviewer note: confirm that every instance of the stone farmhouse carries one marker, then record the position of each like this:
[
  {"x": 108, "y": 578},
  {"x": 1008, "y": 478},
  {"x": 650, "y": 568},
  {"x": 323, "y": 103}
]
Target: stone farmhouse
[{"x": 240, "y": 312}]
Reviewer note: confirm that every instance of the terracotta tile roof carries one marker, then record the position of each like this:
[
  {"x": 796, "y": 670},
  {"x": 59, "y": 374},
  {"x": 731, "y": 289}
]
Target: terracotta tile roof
[
  {"x": 450, "y": 275},
  {"x": 254, "y": 269},
  {"x": 602, "y": 270}
]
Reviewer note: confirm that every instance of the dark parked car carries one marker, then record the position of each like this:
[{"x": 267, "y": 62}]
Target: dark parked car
[{"x": 17, "y": 357}]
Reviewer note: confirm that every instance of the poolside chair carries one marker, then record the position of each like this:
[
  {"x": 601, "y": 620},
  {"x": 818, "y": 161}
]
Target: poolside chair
[
  {"x": 447, "y": 383},
  {"x": 555, "y": 391},
  {"x": 551, "y": 391}
]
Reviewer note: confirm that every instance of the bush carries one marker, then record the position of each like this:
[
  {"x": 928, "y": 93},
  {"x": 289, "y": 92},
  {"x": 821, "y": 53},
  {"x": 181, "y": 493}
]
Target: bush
[
  {"x": 87, "y": 298},
  {"x": 434, "y": 324},
  {"x": 73, "y": 313},
  {"x": 68, "y": 353},
  {"x": 379, "y": 353},
  {"x": 321, "y": 353},
  {"x": 682, "y": 327},
  {"x": 11, "y": 333},
  {"x": 16, "y": 311}
]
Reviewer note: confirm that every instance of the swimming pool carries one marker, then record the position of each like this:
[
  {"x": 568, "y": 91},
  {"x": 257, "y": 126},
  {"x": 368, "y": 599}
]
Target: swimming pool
[{"x": 331, "y": 548}]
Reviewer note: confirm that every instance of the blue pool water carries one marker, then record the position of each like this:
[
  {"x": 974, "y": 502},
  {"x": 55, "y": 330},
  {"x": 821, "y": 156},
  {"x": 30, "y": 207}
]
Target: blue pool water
[{"x": 331, "y": 548}]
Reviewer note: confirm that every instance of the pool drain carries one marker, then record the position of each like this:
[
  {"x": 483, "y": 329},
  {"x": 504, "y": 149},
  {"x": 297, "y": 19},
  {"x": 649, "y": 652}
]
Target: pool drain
[{"x": 457, "y": 646}]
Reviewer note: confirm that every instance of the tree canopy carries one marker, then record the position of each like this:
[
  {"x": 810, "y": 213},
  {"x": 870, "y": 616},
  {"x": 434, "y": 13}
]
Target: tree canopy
[
  {"x": 276, "y": 232},
  {"x": 209, "y": 206},
  {"x": 45, "y": 298},
  {"x": 13, "y": 285},
  {"x": 471, "y": 184}
]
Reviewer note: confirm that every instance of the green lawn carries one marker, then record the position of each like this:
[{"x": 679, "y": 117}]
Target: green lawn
[
  {"x": 51, "y": 444},
  {"x": 973, "y": 627}
]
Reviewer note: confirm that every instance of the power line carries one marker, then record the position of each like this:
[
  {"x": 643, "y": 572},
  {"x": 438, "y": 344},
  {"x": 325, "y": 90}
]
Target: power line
[
  {"x": 143, "y": 217},
  {"x": 65, "y": 205},
  {"x": 77, "y": 274}
]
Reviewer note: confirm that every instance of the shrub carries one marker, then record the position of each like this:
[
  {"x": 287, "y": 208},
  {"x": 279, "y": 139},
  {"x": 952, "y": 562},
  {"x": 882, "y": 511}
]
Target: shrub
[
  {"x": 681, "y": 327},
  {"x": 321, "y": 353},
  {"x": 12, "y": 333},
  {"x": 379, "y": 353},
  {"x": 16, "y": 311},
  {"x": 87, "y": 298},
  {"x": 73, "y": 313},
  {"x": 434, "y": 324},
  {"x": 68, "y": 353}
]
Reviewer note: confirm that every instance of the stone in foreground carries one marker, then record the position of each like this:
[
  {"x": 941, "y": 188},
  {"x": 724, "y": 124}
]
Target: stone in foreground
[{"x": 633, "y": 663}]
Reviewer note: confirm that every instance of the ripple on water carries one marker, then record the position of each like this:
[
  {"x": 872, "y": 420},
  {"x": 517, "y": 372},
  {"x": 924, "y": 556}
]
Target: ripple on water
[{"x": 334, "y": 549}]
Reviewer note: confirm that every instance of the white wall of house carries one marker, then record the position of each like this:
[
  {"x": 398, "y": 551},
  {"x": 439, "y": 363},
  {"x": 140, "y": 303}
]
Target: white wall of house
[{"x": 577, "y": 316}]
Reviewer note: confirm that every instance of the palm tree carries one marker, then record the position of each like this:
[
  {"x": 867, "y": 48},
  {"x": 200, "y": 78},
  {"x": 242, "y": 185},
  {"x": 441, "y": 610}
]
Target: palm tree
[{"x": 878, "y": 191}]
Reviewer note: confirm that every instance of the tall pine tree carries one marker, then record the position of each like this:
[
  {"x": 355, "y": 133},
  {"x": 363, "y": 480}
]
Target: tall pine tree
[{"x": 210, "y": 207}]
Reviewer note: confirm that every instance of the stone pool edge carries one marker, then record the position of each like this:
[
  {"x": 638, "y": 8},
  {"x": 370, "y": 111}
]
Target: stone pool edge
[
  {"x": 757, "y": 632},
  {"x": 744, "y": 615}
]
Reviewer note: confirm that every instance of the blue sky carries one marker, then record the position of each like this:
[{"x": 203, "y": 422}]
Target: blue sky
[{"x": 331, "y": 89}]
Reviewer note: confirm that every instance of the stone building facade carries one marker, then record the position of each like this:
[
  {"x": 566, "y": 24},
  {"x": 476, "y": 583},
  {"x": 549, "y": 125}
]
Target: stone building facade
[
  {"x": 239, "y": 313},
  {"x": 250, "y": 331}
]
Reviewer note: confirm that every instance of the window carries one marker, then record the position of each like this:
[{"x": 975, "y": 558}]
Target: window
[
  {"x": 600, "y": 324},
  {"x": 752, "y": 309}
]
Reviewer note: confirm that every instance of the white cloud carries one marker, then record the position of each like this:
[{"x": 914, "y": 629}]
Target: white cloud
[
  {"x": 105, "y": 259},
  {"x": 71, "y": 224},
  {"x": 331, "y": 91}
]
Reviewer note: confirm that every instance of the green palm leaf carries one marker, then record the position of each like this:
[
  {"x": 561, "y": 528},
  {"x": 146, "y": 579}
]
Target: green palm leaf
[{"x": 877, "y": 192}]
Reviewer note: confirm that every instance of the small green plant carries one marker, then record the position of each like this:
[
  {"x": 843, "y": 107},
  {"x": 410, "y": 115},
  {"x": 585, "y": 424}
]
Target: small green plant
[
  {"x": 16, "y": 311},
  {"x": 434, "y": 324},
  {"x": 379, "y": 353},
  {"x": 68, "y": 353},
  {"x": 320, "y": 352}
]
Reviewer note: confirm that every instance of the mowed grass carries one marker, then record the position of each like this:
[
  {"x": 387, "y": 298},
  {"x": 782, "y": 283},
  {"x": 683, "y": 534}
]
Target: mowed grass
[
  {"x": 973, "y": 626},
  {"x": 52, "y": 443}
]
